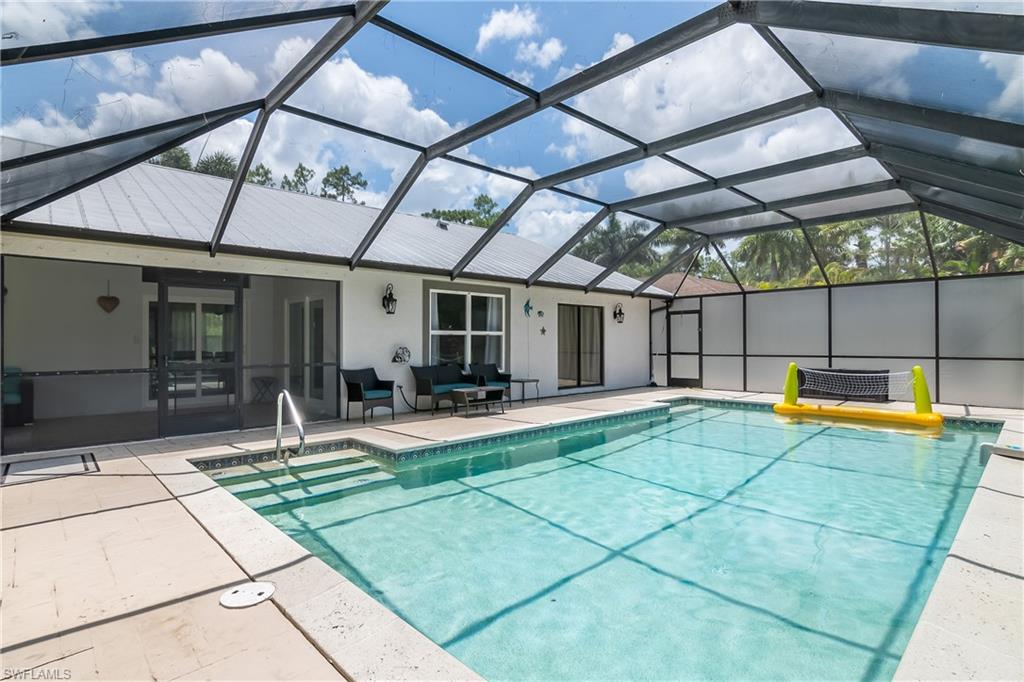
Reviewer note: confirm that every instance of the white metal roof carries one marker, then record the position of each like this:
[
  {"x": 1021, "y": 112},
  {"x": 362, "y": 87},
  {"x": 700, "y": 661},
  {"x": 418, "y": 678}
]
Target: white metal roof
[{"x": 166, "y": 203}]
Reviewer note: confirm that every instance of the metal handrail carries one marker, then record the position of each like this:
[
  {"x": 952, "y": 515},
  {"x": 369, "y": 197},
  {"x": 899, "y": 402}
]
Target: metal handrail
[{"x": 296, "y": 419}]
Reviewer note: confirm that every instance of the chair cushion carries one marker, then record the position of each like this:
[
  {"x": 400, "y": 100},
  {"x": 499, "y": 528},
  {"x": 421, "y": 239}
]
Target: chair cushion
[
  {"x": 498, "y": 384},
  {"x": 445, "y": 388},
  {"x": 12, "y": 398},
  {"x": 375, "y": 394}
]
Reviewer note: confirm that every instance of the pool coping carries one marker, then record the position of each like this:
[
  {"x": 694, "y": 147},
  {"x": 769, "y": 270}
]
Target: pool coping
[{"x": 365, "y": 640}]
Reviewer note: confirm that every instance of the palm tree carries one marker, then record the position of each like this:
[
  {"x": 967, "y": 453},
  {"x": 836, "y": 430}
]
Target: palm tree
[
  {"x": 771, "y": 257},
  {"x": 607, "y": 243}
]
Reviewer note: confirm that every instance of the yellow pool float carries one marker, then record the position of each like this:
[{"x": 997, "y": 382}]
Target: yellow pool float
[{"x": 921, "y": 417}]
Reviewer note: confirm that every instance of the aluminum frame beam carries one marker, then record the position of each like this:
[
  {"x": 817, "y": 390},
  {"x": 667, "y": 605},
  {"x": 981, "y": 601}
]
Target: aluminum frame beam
[
  {"x": 822, "y": 220},
  {"x": 76, "y": 48},
  {"x": 686, "y": 273},
  {"x": 147, "y": 154},
  {"x": 492, "y": 230},
  {"x": 691, "y": 250},
  {"x": 86, "y": 145},
  {"x": 749, "y": 119},
  {"x": 568, "y": 245},
  {"x": 971, "y": 30},
  {"x": 763, "y": 173},
  {"x": 846, "y": 192},
  {"x": 956, "y": 170},
  {"x": 324, "y": 48},
  {"x": 790, "y": 202},
  {"x": 974, "y": 190},
  {"x": 999, "y": 229},
  {"x": 1010, "y": 215},
  {"x": 963, "y": 125},
  {"x": 657, "y": 46}
]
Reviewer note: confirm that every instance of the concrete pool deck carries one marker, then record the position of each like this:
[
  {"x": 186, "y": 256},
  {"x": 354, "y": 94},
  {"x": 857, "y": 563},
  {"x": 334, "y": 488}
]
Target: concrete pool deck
[{"x": 115, "y": 574}]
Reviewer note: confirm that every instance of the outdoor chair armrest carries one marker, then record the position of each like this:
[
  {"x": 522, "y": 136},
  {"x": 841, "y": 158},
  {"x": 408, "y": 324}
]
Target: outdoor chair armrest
[
  {"x": 424, "y": 386},
  {"x": 385, "y": 385},
  {"x": 507, "y": 378},
  {"x": 355, "y": 391}
]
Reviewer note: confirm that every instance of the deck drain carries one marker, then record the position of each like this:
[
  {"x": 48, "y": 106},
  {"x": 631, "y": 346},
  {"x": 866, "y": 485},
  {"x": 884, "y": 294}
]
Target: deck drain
[{"x": 246, "y": 594}]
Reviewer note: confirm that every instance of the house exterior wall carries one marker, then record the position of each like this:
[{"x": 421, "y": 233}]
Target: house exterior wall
[{"x": 368, "y": 337}]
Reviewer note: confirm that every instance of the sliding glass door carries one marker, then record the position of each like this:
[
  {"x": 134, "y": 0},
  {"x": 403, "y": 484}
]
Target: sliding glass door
[
  {"x": 195, "y": 345},
  {"x": 580, "y": 346}
]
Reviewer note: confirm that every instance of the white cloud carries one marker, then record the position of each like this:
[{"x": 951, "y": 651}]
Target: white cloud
[
  {"x": 43, "y": 22},
  {"x": 542, "y": 55},
  {"x": 620, "y": 43},
  {"x": 525, "y": 76},
  {"x": 507, "y": 24},
  {"x": 1008, "y": 68},
  {"x": 550, "y": 219},
  {"x": 654, "y": 174}
]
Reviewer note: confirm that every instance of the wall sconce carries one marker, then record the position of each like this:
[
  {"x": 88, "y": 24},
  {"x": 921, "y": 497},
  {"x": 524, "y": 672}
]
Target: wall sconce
[
  {"x": 618, "y": 313},
  {"x": 389, "y": 301}
]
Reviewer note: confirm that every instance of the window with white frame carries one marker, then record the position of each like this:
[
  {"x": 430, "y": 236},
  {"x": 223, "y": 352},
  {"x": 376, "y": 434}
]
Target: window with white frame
[{"x": 467, "y": 327}]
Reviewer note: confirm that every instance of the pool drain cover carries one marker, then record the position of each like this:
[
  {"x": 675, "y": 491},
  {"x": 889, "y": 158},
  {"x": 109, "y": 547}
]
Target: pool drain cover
[{"x": 246, "y": 594}]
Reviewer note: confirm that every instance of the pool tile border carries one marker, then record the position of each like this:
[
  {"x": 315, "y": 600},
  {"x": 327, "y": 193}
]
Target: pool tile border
[{"x": 398, "y": 456}]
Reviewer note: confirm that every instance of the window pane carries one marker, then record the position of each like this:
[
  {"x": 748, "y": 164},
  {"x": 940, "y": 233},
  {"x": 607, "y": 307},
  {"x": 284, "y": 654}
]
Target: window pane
[
  {"x": 568, "y": 346},
  {"x": 487, "y": 313},
  {"x": 963, "y": 250},
  {"x": 874, "y": 249},
  {"x": 445, "y": 348},
  {"x": 780, "y": 259},
  {"x": 486, "y": 349},
  {"x": 448, "y": 312},
  {"x": 591, "y": 345}
]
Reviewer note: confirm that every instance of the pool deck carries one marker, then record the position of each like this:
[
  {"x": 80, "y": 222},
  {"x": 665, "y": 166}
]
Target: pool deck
[{"x": 115, "y": 574}]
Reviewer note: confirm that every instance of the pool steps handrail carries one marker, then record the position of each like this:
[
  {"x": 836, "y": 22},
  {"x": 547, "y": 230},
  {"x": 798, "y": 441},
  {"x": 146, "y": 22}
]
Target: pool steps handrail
[{"x": 297, "y": 420}]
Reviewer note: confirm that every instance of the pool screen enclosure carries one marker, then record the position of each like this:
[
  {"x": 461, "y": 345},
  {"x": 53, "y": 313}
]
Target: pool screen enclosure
[{"x": 934, "y": 149}]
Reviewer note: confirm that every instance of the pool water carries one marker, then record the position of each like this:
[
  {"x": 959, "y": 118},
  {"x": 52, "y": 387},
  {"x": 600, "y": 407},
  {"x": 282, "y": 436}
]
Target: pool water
[{"x": 711, "y": 544}]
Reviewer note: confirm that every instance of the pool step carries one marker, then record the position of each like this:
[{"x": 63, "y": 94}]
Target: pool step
[
  {"x": 260, "y": 470},
  {"x": 283, "y": 500},
  {"x": 290, "y": 479}
]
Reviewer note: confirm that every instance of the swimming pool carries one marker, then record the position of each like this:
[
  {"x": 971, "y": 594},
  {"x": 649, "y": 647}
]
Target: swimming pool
[{"x": 711, "y": 544}]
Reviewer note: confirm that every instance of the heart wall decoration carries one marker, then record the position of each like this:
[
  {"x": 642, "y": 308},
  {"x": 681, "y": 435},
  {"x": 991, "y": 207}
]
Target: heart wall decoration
[{"x": 108, "y": 302}]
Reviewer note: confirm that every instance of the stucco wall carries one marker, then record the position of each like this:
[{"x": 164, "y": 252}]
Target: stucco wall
[{"x": 38, "y": 307}]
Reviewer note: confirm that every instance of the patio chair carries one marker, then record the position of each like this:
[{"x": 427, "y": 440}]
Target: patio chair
[
  {"x": 487, "y": 374},
  {"x": 437, "y": 382},
  {"x": 363, "y": 386}
]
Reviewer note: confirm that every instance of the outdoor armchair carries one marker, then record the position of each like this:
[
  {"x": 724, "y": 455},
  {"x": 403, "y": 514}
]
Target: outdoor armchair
[{"x": 363, "y": 386}]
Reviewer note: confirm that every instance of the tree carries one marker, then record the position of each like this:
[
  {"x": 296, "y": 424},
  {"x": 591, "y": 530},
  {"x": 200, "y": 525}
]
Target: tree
[
  {"x": 963, "y": 250},
  {"x": 772, "y": 259},
  {"x": 221, "y": 164},
  {"x": 609, "y": 242},
  {"x": 299, "y": 182},
  {"x": 483, "y": 213},
  {"x": 260, "y": 175},
  {"x": 341, "y": 183},
  {"x": 176, "y": 157}
]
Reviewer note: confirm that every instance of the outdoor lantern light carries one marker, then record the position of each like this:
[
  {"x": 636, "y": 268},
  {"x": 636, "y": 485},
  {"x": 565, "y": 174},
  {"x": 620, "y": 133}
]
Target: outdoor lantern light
[
  {"x": 389, "y": 301},
  {"x": 618, "y": 314}
]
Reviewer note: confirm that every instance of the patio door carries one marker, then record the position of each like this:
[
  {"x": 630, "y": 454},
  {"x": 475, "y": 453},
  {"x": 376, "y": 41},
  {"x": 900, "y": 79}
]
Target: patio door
[
  {"x": 684, "y": 348},
  {"x": 198, "y": 334}
]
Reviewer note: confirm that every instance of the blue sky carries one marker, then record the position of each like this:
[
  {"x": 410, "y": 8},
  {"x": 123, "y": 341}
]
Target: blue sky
[{"x": 381, "y": 82}]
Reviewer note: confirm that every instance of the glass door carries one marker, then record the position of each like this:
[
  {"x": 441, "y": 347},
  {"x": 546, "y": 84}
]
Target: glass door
[{"x": 198, "y": 333}]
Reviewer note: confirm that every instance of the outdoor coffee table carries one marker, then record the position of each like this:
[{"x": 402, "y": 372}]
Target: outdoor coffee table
[
  {"x": 522, "y": 388},
  {"x": 483, "y": 396}
]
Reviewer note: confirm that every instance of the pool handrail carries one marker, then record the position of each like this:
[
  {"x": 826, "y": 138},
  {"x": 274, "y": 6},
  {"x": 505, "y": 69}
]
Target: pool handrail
[{"x": 296, "y": 419}]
